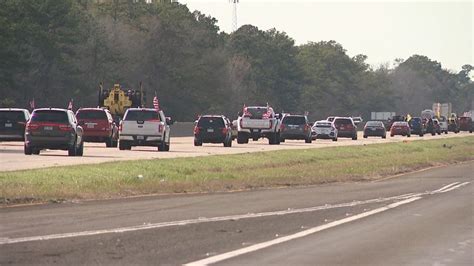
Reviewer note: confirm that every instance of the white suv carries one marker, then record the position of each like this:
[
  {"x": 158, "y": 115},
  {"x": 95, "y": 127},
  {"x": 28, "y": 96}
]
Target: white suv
[{"x": 144, "y": 127}]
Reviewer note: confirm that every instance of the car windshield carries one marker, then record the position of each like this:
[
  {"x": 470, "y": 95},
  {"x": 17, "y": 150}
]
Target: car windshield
[
  {"x": 50, "y": 116},
  {"x": 342, "y": 121},
  {"x": 212, "y": 122},
  {"x": 91, "y": 114},
  {"x": 374, "y": 124},
  {"x": 142, "y": 115},
  {"x": 294, "y": 120},
  {"x": 323, "y": 124},
  {"x": 12, "y": 116},
  {"x": 257, "y": 112}
]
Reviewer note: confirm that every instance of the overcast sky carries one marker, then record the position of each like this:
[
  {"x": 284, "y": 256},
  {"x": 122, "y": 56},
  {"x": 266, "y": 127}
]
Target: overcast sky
[{"x": 382, "y": 30}]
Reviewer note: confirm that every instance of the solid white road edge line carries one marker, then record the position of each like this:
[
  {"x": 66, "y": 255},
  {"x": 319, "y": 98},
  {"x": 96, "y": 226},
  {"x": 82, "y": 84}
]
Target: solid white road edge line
[
  {"x": 6, "y": 240},
  {"x": 304, "y": 233}
]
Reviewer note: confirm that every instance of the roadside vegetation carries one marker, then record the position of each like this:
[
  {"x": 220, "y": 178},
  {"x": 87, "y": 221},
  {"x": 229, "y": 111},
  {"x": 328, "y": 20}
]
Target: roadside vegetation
[
  {"x": 52, "y": 51},
  {"x": 230, "y": 172}
]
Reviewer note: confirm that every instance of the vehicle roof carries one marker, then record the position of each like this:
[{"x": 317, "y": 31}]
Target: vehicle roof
[
  {"x": 13, "y": 109},
  {"x": 323, "y": 121},
  {"x": 51, "y": 109},
  {"x": 342, "y": 117},
  {"x": 257, "y": 106},
  {"x": 93, "y": 109},
  {"x": 212, "y": 116},
  {"x": 143, "y": 109},
  {"x": 374, "y": 121},
  {"x": 295, "y": 115}
]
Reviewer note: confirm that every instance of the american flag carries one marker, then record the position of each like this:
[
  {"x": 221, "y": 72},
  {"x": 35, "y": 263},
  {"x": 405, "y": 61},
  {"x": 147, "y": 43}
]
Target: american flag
[
  {"x": 156, "y": 103},
  {"x": 69, "y": 106}
]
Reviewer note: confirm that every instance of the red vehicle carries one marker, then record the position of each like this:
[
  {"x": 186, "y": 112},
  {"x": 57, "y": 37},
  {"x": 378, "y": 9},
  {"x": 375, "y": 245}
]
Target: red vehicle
[
  {"x": 466, "y": 124},
  {"x": 98, "y": 125},
  {"x": 400, "y": 128}
]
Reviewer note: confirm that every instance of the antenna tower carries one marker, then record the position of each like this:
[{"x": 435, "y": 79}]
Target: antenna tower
[{"x": 235, "y": 25}]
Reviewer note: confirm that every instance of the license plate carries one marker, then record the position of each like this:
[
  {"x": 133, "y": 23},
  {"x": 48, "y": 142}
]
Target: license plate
[
  {"x": 210, "y": 130},
  {"x": 90, "y": 125},
  {"x": 8, "y": 125},
  {"x": 140, "y": 137},
  {"x": 373, "y": 129},
  {"x": 48, "y": 128}
]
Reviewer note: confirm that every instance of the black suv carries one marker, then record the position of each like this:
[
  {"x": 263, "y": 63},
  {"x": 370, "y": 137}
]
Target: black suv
[
  {"x": 213, "y": 129},
  {"x": 12, "y": 124},
  {"x": 51, "y": 128},
  {"x": 295, "y": 127}
]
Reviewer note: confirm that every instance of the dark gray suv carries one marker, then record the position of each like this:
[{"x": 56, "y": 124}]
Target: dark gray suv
[
  {"x": 295, "y": 127},
  {"x": 51, "y": 128}
]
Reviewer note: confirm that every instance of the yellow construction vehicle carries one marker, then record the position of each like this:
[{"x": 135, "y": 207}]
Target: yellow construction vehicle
[{"x": 118, "y": 99}]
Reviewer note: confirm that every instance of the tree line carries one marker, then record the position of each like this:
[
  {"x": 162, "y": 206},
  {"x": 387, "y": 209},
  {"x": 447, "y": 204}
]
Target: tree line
[{"x": 53, "y": 51}]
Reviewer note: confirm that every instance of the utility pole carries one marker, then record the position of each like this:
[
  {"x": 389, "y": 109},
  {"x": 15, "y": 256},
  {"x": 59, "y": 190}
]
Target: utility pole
[{"x": 235, "y": 25}]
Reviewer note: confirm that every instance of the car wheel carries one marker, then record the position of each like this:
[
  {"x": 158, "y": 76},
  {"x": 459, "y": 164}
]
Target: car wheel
[
  {"x": 421, "y": 135},
  {"x": 80, "y": 150},
  {"x": 354, "y": 137},
  {"x": 384, "y": 136},
  {"x": 391, "y": 135},
  {"x": 241, "y": 138},
  {"x": 36, "y": 151},
  {"x": 308, "y": 140},
  {"x": 334, "y": 139},
  {"x": 28, "y": 150},
  {"x": 72, "y": 150},
  {"x": 255, "y": 139},
  {"x": 409, "y": 135},
  {"x": 446, "y": 132},
  {"x": 282, "y": 140},
  {"x": 197, "y": 142},
  {"x": 365, "y": 136}
]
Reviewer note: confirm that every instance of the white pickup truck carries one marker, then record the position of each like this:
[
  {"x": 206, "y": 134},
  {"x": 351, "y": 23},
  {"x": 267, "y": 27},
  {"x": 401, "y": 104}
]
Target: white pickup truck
[
  {"x": 257, "y": 122},
  {"x": 144, "y": 127}
]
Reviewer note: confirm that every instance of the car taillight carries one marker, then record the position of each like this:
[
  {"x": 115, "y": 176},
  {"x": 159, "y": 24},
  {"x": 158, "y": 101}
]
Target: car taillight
[
  {"x": 65, "y": 127},
  {"x": 224, "y": 131},
  {"x": 31, "y": 127},
  {"x": 197, "y": 130},
  {"x": 120, "y": 126}
]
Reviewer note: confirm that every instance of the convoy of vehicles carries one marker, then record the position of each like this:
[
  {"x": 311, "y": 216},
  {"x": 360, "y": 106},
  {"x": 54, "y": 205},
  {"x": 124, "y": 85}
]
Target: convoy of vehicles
[
  {"x": 375, "y": 129},
  {"x": 257, "y": 122},
  {"x": 213, "y": 129},
  {"x": 53, "y": 128},
  {"x": 324, "y": 129},
  {"x": 144, "y": 127},
  {"x": 98, "y": 126},
  {"x": 295, "y": 127},
  {"x": 12, "y": 124}
]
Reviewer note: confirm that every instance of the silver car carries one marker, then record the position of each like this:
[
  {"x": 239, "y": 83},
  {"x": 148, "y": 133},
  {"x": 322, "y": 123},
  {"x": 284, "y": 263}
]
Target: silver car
[{"x": 324, "y": 129}]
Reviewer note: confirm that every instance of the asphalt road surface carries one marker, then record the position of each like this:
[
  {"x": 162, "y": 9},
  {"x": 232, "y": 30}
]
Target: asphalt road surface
[
  {"x": 423, "y": 218},
  {"x": 12, "y": 157}
]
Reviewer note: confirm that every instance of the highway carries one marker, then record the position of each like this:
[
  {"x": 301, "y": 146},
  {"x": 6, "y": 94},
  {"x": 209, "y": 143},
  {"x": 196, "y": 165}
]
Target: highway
[
  {"x": 423, "y": 218},
  {"x": 12, "y": 157}
]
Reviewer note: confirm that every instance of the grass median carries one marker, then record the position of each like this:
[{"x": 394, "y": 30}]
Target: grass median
[{"x": 230, "y": 172}]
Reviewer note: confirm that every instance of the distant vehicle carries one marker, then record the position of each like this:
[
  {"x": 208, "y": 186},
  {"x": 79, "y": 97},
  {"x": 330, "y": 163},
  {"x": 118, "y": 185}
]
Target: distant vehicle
[
  {"x": 12, "y": 124},
  {"x": 98, "y": 125},
  {"x": 56, "y": 129},
  {"x": 330, "y": 118},
  {"x": 443, "y": 124},
  {"x": 118, "y": 99},
  {"x": 453, "y": 123},
  {"x": 466, "y": 124},
  {"x": 357, "y": 120},
  {"x": 395, "y": 118},
  {"x": 437, "y": 127},
  {"x": 144, "y": 127},
  {"x": 345, "y": 127},
  {"x": 416, "y": 126},
  {"x": 257, "y": 122},
  {"x": 295, "y": 127},
  {"x": 213, "y": 129},
  {"x": 324, "y": 130},
  {"x": 375, "y": 128},
  {"x": 400, "y": 128}
]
